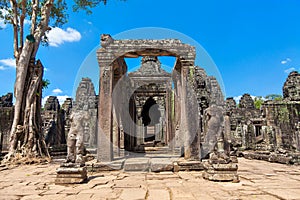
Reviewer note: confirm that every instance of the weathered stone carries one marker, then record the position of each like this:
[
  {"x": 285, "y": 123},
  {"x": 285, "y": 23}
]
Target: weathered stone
[
  {"x": 190, "y": 166},
  {"x": 136, "y": 164},
  {"x": 6, "y": 119},
  {"x": 6, "y": 100},
  {"x": 75, "y": 137},
  {"x": 86, "y": 100},
  {"x": 291, "y": 87},
  {"x": 53, "y": 122},
  {"x": 71, "y": 174},
  {"x": 159, "y": 165}
]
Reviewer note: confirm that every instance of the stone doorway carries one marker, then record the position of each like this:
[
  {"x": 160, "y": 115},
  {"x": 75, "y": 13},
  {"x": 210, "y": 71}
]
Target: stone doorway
[
  {"x": 151, "y": 117},
  {"x": 120, "y": 93}
]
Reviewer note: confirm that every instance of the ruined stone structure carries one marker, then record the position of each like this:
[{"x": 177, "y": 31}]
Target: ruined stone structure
[
  {"x": 86, "y": 100},
  {"x": 6, "y": 118},
  {"x": 53, "y": 122},
  {"x": 150, "y": 104},
  {"x": 152, "y": 101},
  {"x": 67, "y": 108},
  {"x": 270, "y": 133},
  {"x": 245, "y": 122}
]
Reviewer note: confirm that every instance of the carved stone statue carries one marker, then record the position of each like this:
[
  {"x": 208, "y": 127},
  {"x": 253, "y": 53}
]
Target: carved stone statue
[
  {"x": 106, "y": 40},
  {"x": 214, "y": 138},
  {"x": 75, "y": 137}
]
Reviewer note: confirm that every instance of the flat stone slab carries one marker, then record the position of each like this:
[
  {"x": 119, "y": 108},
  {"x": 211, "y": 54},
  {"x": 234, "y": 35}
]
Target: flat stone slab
[
  {"x": 186, "y": 165},
  {"x": 216, "y": 176},
  {"x": 161, "y": 164},
  {"x": 106, "y": 166},
  {"x": 137, "y": 164}
]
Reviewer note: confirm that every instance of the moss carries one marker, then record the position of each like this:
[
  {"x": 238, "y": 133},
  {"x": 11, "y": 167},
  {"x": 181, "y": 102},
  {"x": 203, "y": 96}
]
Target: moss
[{"x": 191, "y": 72}]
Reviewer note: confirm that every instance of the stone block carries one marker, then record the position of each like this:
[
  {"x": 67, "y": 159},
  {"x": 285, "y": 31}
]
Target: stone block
[
  {"x": 190, "y": 165},
  {"x": 106, "y": 166},
  {"x": 136, "y": 164},
  {"x": 159, "y": 165},
  {"x": 69, "y": 180},
  {"x": 221, "y": 176},
  {"x": 70, "y": 173}
]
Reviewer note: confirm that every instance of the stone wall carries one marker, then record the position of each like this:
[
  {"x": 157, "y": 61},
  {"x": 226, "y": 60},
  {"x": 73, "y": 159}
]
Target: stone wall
[
  {"x": 53, "y": 122},
  {"x": 273, "y": 132},
  {"x": 6, "y": 118}
]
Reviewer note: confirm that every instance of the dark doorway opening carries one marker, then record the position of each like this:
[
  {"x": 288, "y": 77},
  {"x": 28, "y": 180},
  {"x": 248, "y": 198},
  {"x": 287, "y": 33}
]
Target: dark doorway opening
[{"x": 150, "y": 116}]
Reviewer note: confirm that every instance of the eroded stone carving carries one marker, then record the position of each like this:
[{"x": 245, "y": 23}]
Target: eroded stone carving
[
  {"x": 106, "y": 40},
  {"x": 291, "y": 87},
  {"x": 86, "y": 100},
  {"x": 75, "y": 137}
]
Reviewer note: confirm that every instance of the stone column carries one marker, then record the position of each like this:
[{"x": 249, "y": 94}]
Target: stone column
[
  {"x": 116, "y": 135},
  {"x": 140, "y": 127},
  {"x": 184, "y": 115},
  {"x": 104, "y": 152}
]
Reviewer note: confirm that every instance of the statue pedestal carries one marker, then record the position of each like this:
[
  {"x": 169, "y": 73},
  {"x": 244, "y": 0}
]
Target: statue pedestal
[
  {"x": 71, "y": 173},
  {"x": 219, "y": 169}
]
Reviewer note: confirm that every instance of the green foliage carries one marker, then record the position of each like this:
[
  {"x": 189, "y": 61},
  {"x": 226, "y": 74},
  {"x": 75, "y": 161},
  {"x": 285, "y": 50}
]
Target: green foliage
[
  {"x": 45, "y": 83},
  {"x": 258, "y": 101},
  {"x": 86, "y": 5},
  {"x": 274, "y": 97}
]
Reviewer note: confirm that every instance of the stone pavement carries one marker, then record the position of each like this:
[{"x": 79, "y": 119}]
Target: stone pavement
[{"x": 259, "y": 180}]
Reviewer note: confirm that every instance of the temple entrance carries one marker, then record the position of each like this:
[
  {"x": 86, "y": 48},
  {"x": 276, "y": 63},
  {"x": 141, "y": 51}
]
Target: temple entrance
[
  {"x": 151, "y": 120},
  {"x": 147, "y": 105}
]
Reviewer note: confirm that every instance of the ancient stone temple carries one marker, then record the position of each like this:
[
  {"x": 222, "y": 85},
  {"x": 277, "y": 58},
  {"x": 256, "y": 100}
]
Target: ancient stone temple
[
  {"x": 86, "y": 100},
  {"x": 6, "y": 118},
  {"x": 53, "y": 122},
  {"x": 270, "y": 133},
  {"x": 152, "y": 101},
  {"x": 152, "y": 107}
]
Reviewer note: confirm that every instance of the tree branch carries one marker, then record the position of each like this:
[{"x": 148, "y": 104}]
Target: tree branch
[
  {"x": 15, "y": 23},
  {"x": 43, "y": 25},
  {"x": 22, "y": 18},
  {"x": 35, "y": 6}
]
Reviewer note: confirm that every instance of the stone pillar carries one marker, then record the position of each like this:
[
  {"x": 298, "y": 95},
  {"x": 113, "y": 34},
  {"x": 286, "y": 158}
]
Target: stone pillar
[
  {"x": 116, "y": 136},
  {"x": 140, "y": 127},
  {"x": 184, "y": 115},
  {"x": 157, "y": 131},
  {"x": 105, "y": 153}
]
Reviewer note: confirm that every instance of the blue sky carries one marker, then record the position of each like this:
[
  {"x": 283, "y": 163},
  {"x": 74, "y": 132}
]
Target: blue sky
[{"x": 254, "y": 43}]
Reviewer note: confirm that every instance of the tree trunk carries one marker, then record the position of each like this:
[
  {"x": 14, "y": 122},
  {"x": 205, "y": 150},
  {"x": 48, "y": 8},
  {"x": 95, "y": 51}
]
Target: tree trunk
[{"x": 27, "y": 141}]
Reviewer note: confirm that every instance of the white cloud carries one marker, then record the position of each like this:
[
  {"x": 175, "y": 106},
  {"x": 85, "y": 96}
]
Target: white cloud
[
  {"x": 2, "y": 68},
  {"x": 62, "y": 98},
  {"x": 9, "y": 62},
  {"x": 289, "y": 70},
  {"x": 58, "y": 36},
  {"x": 57, "y": 91},
  {"x": 238, "y": 98},
  {"x": 285, "y": 61},
  {"x": 2, "y": 24}
]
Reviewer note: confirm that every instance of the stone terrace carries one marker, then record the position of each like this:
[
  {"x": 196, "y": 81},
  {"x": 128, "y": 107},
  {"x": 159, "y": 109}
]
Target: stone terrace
[{"x": 259, "y": 180}]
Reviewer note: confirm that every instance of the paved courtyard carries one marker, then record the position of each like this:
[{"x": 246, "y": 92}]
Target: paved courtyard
[{"x": 259, "y": 180}]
